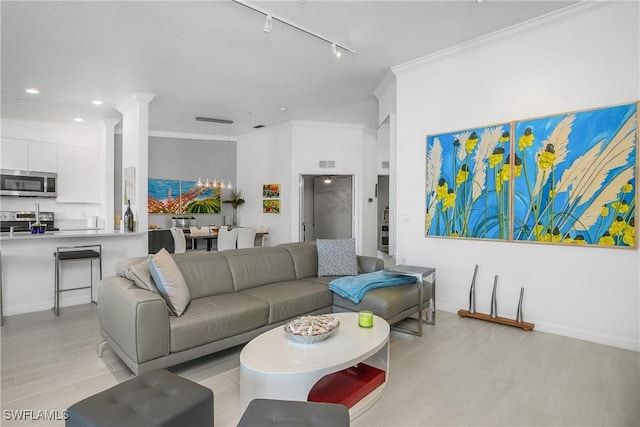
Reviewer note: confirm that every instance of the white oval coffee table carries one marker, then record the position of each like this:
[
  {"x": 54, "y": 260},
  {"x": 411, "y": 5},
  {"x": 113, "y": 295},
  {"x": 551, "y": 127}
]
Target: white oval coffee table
[{"x": 274, "y": 367}]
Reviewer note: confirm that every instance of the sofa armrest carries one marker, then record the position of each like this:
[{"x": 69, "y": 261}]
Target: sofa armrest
[
  {"x": 135, "y": 319},
  {"x": 369, "y": 264}
]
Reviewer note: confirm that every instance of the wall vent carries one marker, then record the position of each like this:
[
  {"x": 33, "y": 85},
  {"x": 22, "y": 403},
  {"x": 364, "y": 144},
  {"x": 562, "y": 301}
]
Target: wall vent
[
  {"x": 385, "y": 165},
  {"x": 327, "y": 164}
]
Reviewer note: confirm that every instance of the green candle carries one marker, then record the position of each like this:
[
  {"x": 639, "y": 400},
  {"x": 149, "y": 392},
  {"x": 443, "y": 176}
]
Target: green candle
[{"x": 365, "y": 319}]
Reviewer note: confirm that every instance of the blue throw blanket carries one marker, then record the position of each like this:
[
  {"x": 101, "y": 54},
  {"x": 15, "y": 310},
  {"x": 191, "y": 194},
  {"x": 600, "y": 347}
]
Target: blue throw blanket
[{"x": 354, "y": 287}]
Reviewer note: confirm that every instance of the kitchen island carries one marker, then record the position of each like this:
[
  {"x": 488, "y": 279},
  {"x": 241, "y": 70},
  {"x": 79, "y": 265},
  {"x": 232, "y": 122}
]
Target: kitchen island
[{"x": 28, "y": 266}]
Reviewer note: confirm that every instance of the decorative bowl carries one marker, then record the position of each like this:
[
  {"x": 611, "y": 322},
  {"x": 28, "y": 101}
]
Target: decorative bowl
[{"x": 311, "y": 329}]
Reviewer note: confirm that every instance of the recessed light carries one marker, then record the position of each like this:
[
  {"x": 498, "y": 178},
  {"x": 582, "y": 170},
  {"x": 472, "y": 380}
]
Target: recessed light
[
  {"x": 32, "y": 91},
  {"x": 96, "y": 102},
  {"x": 78, "y": 119},
  {"x": 283, "y": 108}
]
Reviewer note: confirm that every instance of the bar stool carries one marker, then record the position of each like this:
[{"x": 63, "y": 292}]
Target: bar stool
[{"x": 75, "y": 253}]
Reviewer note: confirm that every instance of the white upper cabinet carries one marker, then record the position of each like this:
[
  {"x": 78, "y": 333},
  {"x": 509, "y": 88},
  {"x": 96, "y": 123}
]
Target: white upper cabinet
[
  {"x": 43, "y": 156},
  {"x": 79, "y": 175},
  {"x": 15, "y": 154},
  {"x": 29, "y": 155}
]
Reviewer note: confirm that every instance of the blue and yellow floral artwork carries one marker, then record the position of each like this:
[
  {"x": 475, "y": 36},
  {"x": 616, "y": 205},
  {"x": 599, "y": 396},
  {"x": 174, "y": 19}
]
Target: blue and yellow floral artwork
[
  {"x": 578, "y": 178},
  {"x": 564, "y": 179},
  {"x": 467, "y": 183}
]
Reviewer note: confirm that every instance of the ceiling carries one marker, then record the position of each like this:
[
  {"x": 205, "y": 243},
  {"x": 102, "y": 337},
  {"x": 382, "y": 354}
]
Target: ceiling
[{"x": 211, "y": 58}]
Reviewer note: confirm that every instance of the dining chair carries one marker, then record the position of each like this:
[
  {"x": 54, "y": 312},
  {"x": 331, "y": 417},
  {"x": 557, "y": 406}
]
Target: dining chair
[
  {"x": 246, "y": 237},
  {"x": 179, "y": 241},
  {"x": 227, "y": 239}
]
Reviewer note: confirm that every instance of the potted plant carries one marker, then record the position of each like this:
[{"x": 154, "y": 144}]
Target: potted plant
[{"x": 235, "y": 201}]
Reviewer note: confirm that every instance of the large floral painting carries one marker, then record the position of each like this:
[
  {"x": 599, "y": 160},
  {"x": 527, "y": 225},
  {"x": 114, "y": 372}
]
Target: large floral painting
[
  {"x": 566, "y": 179},
  {"x": 578, "y": 178},
  {"x": 172, "y": 196},
  {"x": 468, "y": 183}
]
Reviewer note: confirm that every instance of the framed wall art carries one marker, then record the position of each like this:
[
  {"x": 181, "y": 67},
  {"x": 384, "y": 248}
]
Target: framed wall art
[
  {"x": 271, "y": 191},
  {"x": 468, "y": 182},
  {"x": 565, "y": 179},
  {"x": 169, "y": 196}
]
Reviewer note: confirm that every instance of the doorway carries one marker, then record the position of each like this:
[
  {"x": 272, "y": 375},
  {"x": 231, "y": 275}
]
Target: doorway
[{"x": 326, "y": 208}]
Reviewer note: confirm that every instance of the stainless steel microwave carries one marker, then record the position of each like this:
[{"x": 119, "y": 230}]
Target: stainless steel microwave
[{"x": 28, "y": 183}]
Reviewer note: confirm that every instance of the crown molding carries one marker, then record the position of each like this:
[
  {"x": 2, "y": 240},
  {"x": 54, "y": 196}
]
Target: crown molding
[
  {"x": 531, "y": 26},
  {"x": 388, "y": 80}
]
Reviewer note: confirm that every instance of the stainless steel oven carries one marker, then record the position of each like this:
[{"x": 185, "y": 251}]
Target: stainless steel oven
[{"x": 28, "y": 183}]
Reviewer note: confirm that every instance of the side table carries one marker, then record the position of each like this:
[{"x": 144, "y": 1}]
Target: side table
[{"x": 420, "y": 273}]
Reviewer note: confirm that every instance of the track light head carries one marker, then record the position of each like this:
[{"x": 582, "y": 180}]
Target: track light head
[
  {"x": 268, "y": 23},
  {"x": 335, "y": 50}
]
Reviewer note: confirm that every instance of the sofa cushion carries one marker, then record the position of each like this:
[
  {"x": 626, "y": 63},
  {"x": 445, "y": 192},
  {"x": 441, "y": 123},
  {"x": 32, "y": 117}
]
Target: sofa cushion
[
  {"x": 259, "y": 266},
  {"x": 169, "y": 281},
  {"x": 386, "y": 302},
  {"x": 337, "y": 257},
  {"x": 214, "y": 318},
  {"x": 206, "y": 273},
  {"x": 290, "y": 299},
  {"x": 305, "y": 258}
]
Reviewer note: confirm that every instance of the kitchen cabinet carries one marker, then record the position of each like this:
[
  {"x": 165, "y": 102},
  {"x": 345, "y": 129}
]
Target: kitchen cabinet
[
  {"x": 43, "y": 156},
  {"x": 29, "y": 155},
  {"x": 15, "y": 154},
  {"x": 79, "y": 175}
]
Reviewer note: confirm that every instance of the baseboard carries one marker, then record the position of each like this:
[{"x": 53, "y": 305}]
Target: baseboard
[
  {"x": 31, "y": 308},
  {"x": 610, "y": 340}
]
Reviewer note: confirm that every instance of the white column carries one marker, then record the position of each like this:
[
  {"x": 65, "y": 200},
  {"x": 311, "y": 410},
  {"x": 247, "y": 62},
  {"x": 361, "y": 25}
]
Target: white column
[
  {"x": 106, "y": 129},
  {"x": 135, "y": 152}
]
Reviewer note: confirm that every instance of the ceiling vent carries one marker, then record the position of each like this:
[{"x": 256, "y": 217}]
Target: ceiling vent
[
  {"x": 327, "y": 164},
  {"x": 385, "y": 165},
  {"x": 212, "y": 120},
  {"x": 258, "y": 126}
]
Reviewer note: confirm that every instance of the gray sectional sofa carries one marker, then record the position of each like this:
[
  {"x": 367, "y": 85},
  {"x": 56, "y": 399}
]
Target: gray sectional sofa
[{"x": 235, "y": 296}]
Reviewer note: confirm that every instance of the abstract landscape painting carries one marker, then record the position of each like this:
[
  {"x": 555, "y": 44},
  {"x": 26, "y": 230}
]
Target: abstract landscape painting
[
  {"x": 578, "y": 178},
  {"x": 467, "y": 183},
  {"x": 564, "y": 179},
  {"x": 172, "y": 196}
]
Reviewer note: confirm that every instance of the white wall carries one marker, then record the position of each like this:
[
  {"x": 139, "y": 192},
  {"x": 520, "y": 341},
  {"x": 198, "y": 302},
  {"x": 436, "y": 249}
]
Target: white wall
[
  {"x": 283, "y": 153},
  {"x": 264, "y": 157},
  {"x": 583, "y": 58}
]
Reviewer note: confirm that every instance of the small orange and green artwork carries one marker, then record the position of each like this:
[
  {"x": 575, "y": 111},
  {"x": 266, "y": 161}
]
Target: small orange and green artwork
[
  {"x": 271, "y": 206},
  {"x": 271, "y": 191},
  {"x": 467, "y": 183},
  {"x": 170, "y": 196}
]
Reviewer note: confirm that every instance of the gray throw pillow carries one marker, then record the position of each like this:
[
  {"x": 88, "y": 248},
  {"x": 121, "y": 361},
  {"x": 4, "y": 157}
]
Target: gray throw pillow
[
  {"x": 337, "y": 257},
  {"x": 169, "y": 281},
  {"x": 141, "y": 276}
]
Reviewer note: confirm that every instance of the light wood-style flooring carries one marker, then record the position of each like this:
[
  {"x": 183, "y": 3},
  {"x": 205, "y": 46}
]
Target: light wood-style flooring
[{"x": 462, "y": 372}]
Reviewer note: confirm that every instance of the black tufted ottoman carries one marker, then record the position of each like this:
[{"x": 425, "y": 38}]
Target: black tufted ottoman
[
  {"x": 281, "y": 413},
  {"x": 154, "y": 398}
]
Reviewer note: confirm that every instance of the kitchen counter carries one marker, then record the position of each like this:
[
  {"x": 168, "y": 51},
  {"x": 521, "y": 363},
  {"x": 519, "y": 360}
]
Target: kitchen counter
[
  {"x": 75, "y": 233},
  {"x": 28, "y": 267}
]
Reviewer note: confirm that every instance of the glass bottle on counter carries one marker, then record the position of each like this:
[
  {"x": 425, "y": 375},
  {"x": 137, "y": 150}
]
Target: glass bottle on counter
[{"x": 128, "y": 217}]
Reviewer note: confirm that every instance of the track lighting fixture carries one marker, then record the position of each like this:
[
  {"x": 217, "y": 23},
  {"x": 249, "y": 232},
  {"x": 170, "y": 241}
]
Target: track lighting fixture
[
  {"x": 268, "y": 23},
  {"x": 336, "y": 48},
  {"x": 327, "y": 180}
]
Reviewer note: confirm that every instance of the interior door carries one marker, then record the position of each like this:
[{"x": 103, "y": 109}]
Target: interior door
[{"x": 326, "y": 207}]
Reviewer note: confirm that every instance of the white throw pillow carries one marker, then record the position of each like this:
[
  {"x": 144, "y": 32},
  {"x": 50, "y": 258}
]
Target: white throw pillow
[
  {"x": 169, "y": 281},
  {"x": 337, "y": 257}
]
